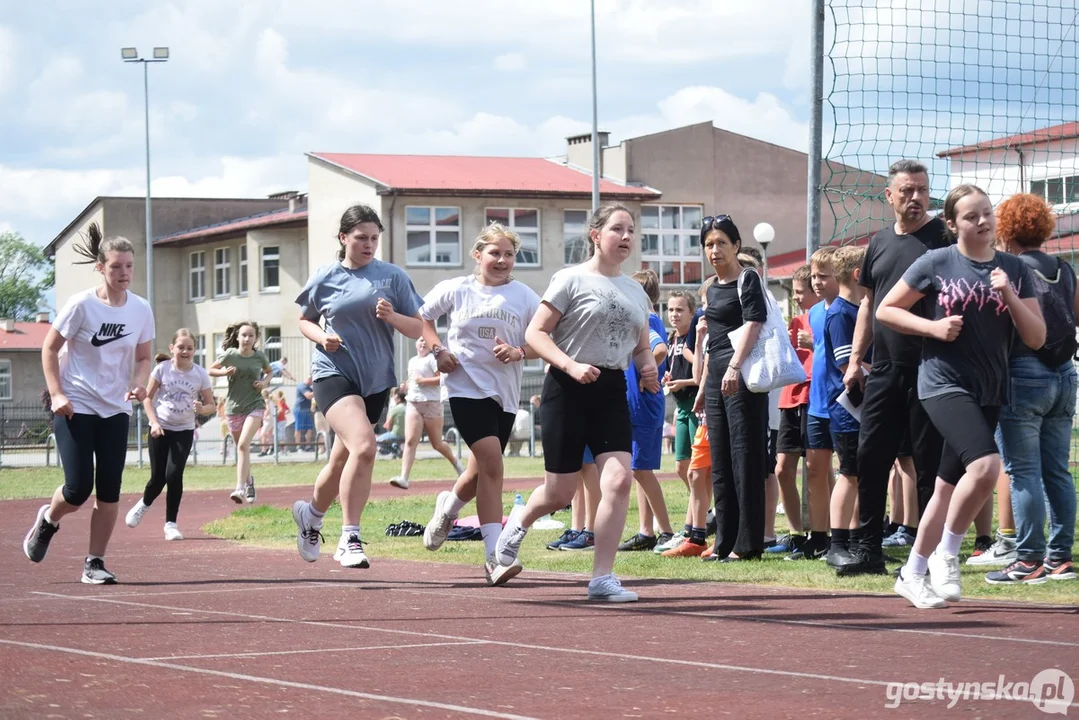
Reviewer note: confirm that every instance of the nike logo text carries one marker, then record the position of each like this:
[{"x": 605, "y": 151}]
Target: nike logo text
[{"x": 109, "y": 332}]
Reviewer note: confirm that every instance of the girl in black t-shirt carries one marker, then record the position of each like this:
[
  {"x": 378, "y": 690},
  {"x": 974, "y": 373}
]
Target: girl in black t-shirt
[
  {"x": 737, "y": 418},
  {"x": 978, "y": 299}
]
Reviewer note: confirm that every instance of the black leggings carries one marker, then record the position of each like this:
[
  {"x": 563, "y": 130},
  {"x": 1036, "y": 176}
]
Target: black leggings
[
  {"x": 168, "y": 458},
  {"x": 967, "y": 428},
  {"x": 81, "y": 439}
]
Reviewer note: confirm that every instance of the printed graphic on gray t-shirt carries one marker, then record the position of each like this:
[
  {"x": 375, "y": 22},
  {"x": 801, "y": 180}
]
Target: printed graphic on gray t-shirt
[
  {"x": 976, "y": 362},
  {"x": 602, "y": 317}
]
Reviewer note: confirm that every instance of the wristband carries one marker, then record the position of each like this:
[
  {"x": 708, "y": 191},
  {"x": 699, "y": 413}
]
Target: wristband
[
  {"x": 736, "y": 368},
  {"x": 521, "y": 349},
  {"x": 437, "y": 350}
]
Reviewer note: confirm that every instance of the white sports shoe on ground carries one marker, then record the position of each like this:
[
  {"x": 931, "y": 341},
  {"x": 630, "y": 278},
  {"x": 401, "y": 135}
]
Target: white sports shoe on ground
[
  {"x": 944, "y": 576},
  {"x": 918, "y": 591},
  {"x": 500, "y": 574},
  {"x": 399, "y": 482},
  {"x": 134, "y": 515},
  {"x": 607, "y": 588},
  {"x": 350, "y": 552},
  {"x": 172, "y": 532}
]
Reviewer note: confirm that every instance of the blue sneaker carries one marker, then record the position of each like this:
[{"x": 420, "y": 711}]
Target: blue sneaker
[
  {"x": 585, "y": 540},
  {"x": 566, "y": 537},
  {"x": 900, "y": 538},
  {"x": 787, "y": 544}
]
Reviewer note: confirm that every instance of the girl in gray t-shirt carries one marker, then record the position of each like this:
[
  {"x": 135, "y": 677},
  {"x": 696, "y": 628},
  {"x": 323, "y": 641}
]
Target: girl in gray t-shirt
[
  {"x": 592, "y": 323},
  {"x": 979, "y": 299}
]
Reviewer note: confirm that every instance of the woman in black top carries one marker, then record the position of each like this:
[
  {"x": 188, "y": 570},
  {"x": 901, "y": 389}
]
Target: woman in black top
[{"x": 737, "y": 418}]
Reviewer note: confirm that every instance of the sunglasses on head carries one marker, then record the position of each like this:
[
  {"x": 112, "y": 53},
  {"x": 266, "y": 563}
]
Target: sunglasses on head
[{"x": 712, "y": 220}]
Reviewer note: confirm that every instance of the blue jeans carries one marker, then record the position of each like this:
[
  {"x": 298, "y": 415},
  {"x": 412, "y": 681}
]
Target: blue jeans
[{"x": 1035, "y": 441}]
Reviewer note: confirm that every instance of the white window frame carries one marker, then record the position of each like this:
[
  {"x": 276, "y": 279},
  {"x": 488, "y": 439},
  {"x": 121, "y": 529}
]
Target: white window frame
[
  {"x": 271, "y": 343},
  {"x": 196, "y": 273},
  {"x": 1069, "y": 185},
  {"x": 276, "y": 255},
  {"x": 584, "y": 226},
  {"x": 199, "y": 356},
  {"x": 511, "y": 224},
  {"x": 7, "y": 381},
  {"x": 684, "y": 231},
  {"x": 431, "y": 227},
  {"x": 222, "y": 272},
  {"x": 241, "y": 279}
]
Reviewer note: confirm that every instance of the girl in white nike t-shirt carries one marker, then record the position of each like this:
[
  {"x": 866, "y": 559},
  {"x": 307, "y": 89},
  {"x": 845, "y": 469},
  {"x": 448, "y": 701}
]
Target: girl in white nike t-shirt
[
  {"x": 96, "y": 359},
  {"x": 481, "y": 367}
]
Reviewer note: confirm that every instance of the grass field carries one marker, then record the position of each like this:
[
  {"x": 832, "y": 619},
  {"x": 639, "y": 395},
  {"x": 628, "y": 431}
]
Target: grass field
[{"x": 273, "y": 527}]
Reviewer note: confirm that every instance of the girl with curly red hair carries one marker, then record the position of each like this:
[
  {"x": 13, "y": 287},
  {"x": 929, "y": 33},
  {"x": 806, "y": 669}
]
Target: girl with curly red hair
[{"x": 1035, "y": 427}]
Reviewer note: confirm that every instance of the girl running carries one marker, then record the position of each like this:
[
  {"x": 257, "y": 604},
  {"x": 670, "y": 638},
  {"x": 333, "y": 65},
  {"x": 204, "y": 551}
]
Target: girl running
[
  {"x": 592, "y": 323},
  {"x": 423, "y": 413},
  {"x": 248, "y": 371},
  {"x": 361, "y": 301},
  {"x": 178, "y": 391},
  {"x": 96, "y": 359},
  {"x": 979, "y": 298},
  {"x": 489, "y": 312}
]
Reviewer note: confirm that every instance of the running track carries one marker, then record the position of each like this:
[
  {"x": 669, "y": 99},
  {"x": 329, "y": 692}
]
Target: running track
[{"x": 210, "y": 629}]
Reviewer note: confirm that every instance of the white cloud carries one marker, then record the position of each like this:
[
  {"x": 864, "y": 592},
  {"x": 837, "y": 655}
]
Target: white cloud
[
  {"x": 229, "y": 177},
  {"x": 510, "y": 62},
  {"x": 43, "y": 193},
  {"x": 8, "y": 53}
]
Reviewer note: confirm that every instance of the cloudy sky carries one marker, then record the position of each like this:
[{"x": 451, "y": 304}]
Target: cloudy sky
[{"x": 253, "y": 84}]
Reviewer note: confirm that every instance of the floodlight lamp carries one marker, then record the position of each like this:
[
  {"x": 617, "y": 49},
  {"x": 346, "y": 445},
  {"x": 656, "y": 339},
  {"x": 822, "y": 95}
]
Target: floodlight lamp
[
  {"x": 129, "y": 53},
  {"x": 161, "y": 53}
]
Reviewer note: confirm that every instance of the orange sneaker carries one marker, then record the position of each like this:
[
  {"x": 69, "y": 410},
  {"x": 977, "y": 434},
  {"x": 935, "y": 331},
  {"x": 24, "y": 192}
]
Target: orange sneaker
[
  {"x": 686, "y": 549},
  {"x": 711, "y": 549}
]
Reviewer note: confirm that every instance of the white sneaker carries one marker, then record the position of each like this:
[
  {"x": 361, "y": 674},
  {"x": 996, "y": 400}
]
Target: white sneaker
[
  {"x": 172, "y": 532},
  {"x": 238, "y": 496},
  {"x": 350, "y": 552},
  {"x": 438, "y": 529},
  {"x": 134, "y": 515},
  {"x": 1001, "y": 553},
  {"x": 500, "y": 574},
  {"x": 308, "y": 539},
  {"x": 511, "y": 537},
  {"x": 917, "y": 590},
  {"x": 249, "y": 492},
  {"x": 399, "y": 482},
  {"x": 780, "y": 510},
  {"x": 944, "y": 576},
  {"x": 678, "y": 539},
  {"x": 608, "y": 589}
]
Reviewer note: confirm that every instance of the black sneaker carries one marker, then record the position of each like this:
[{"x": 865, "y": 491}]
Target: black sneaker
[
  {"x": 36, "y": 542},
  {"x": 638, "y": 542},
  {"x": 94, "y": 573},
  {"x": 663, "y": 539},
  {"x": 814, "y": 548},
  {"x": 864, "y": 562},
  {"x": 838, "y": 557}
]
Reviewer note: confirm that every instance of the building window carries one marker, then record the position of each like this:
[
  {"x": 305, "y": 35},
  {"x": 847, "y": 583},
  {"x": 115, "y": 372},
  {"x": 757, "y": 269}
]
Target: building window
[
  {"x": 222, "y": 263},
  {"x": 242, "y": 279},
  {"x": 271, "y": 267},
  {"x": 433, "y": 235},
  {"x": 271, "y": 343},
  {"x": 200, "y": 351},
  {"x": 575, "y": 236},
  {"x": 525, "y": 222},
  {"x": 5, "y": 380},
  {"x": 197, "y": 276},
  {"x": 1057, "y": 191},
  {"x": 670, "y": 243}
]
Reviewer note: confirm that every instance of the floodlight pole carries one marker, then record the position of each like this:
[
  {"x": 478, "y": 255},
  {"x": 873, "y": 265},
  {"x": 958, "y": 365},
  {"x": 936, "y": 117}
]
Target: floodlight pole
[{"x": 595, "y": 119}]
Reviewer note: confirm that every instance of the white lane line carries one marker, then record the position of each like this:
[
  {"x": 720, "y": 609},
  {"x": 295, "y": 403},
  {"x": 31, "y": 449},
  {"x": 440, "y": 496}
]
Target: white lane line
[
  {"x": 765, "y": 620},
  {"x": 272, "y": 681},
  {"x": 354, "y": 648},
  {"x": 514, "y": 645}
]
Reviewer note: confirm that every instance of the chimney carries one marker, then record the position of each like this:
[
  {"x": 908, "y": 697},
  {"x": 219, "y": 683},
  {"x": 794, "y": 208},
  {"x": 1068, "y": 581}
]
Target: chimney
[
  {"x": 292, "y": 204},
  {"x": 43, "y": 316},
  {"x": 7, "y": 325}
]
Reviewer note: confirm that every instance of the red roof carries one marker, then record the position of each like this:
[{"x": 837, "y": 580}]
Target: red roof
[
  {"x": 275, "y": 217},
  {"x": 1062, "y": 245},
  {"x": 1067, "y": 131},
  {"x": 781, "y": 267},
  {"x": 26, "y": 336},
  {"x": 450, "y": 174}
]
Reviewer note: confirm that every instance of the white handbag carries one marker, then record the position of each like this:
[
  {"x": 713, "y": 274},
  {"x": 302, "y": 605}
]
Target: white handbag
[{"x": 772, "y": 363}]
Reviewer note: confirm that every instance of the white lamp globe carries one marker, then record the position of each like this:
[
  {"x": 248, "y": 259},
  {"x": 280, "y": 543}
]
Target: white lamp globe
[{"x": 764, "y": 233}]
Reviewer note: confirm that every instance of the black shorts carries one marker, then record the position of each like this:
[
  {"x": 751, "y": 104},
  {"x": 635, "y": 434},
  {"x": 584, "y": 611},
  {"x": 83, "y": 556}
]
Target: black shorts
[
  {"x": 82, "y": 438},
  {"x": 792, "y": 430},
  {"x": 818, "y": 433},
  {"x": 846, "y": 448},
  {"x": 573, "y": 416},
  {"x": 476, "y": 419},
  {"x": 773, "y": 441},
  {"x": 329, "y": 390},
  {"x": 967, "y": 429}
]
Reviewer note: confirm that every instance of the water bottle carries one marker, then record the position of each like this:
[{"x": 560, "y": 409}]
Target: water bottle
[{"x": 518, "y": 500}]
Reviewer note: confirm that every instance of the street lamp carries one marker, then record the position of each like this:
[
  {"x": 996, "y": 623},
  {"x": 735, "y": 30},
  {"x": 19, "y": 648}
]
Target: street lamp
[
  {"x": 764, "y": 234},
  {"x": 131, "y": 55}
]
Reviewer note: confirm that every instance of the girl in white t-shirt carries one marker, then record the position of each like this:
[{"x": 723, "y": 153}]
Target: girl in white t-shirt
[
  {"x": 178, "y": 391},
  {"x": 423, "y": 413},
  {"x": 96, "y": 359},
  {"x": 481, "y": 368}
]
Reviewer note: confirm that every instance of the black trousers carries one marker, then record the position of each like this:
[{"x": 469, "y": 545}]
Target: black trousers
[
  {"x": 738, "y": 434},
  {"x": 168, "y": 458},
  {"x": 891, "y": 408}
]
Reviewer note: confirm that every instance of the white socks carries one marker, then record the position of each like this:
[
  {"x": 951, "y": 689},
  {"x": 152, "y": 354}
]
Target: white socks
[
  {"x": 950, "y": 542},
  {"x": 456, "y": 503},
  {"x": 917, "y": 565},
  {"x": 490, "y": 532}
]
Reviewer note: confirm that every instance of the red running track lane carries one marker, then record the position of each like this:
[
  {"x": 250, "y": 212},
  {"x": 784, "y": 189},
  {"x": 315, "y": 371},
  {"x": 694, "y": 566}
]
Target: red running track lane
[{"x": 208, "y": 628}]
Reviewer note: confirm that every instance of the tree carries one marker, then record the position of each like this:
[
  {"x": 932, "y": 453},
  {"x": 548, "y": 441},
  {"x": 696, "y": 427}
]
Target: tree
[{"x": 25, "y": 276}]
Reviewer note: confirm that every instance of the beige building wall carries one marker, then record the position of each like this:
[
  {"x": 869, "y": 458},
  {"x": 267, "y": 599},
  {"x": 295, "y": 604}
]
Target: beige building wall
[
  {"x": 331, "y": 191},
  {"x": 27, "y": 379},
  {"x": 72, "y": 278}
]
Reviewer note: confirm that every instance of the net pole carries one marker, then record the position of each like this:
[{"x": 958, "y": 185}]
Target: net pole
[{"x": 813, "y": 181}]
